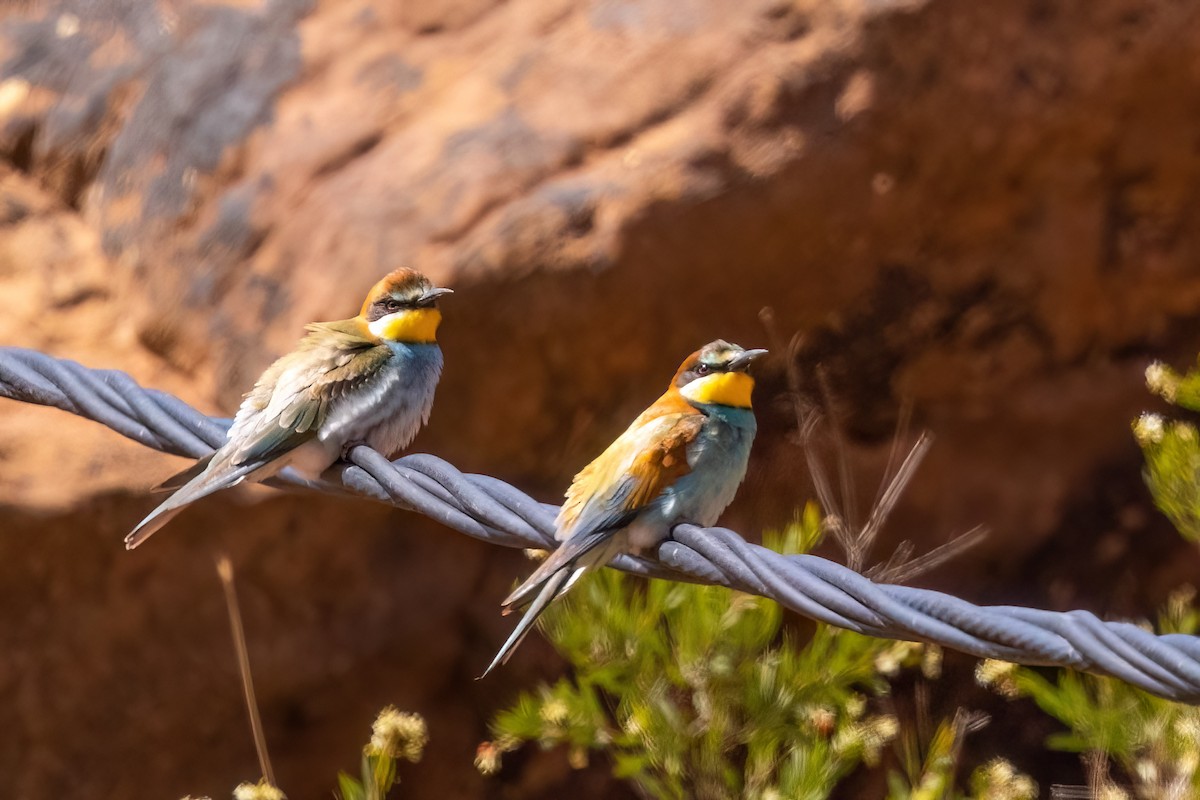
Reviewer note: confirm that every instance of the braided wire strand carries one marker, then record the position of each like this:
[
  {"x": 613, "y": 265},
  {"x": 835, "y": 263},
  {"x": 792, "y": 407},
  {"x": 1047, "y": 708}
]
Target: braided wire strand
[{"x": 491, "y": 510}]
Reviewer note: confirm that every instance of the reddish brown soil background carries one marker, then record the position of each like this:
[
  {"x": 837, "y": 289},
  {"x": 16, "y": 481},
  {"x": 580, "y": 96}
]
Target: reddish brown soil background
[{"x": 988, "y": 210}]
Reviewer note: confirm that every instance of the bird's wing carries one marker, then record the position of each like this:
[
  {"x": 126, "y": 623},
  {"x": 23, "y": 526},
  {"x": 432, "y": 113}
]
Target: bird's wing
[
  {"x": 604, "y": 497},
  {"x": 609, "y": 492},
  {"x": 295, "y": 395},
  {"x": 283, "y": 411},
  {"x": 650, "y": 456}
]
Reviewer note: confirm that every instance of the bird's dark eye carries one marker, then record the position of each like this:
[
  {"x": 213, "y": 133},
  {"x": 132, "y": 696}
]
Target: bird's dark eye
[
  {"x": 702, "y": 369},
  {"x": 392, "y": 304}
]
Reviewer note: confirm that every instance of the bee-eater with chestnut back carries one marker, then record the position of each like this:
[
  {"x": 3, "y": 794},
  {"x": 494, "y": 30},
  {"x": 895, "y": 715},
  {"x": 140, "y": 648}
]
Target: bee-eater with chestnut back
[{"x": 680, "y": 461}]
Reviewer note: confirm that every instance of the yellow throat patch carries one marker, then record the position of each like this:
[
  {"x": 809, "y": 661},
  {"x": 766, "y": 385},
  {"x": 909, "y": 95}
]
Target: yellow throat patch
[
  {"x": 723, "y": 389},
  {"x": 414, "y": 326}
]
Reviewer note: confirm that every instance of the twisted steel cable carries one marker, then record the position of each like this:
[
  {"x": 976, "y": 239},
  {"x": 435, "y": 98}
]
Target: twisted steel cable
[{"x": 493, "y": 511}]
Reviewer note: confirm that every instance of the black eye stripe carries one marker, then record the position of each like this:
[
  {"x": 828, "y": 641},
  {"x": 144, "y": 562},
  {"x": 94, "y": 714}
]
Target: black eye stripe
[{"x": 384, "y": 306}]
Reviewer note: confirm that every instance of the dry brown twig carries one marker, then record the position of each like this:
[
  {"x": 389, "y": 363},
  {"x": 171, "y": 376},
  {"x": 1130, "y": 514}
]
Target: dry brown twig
[
  {"x": 225, "y": 571},
  {"x": 840, "y": 521}
]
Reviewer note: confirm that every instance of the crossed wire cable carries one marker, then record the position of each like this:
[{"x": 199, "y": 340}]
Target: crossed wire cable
[{"x": 489, "y": 509}]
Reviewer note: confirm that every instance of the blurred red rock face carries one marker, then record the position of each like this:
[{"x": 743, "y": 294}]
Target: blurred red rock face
[{"x": 986, "y": 209}]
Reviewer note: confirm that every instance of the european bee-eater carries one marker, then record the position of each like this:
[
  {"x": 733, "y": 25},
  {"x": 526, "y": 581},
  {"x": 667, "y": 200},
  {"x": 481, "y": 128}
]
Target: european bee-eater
[
  {"x": 365, "y": 380},
  {"x": 680, "y": 461}
]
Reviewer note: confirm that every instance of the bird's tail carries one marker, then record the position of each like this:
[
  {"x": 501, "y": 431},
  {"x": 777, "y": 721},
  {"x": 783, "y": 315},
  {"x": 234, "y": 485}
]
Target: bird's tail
[
  {"x": 195, "y": 482},
  {"x": 551, "y": 580},
  {"x": 554, "y": 587},
  {"x": 185, "y": 476},
  {"x": 155, "y": 520}
]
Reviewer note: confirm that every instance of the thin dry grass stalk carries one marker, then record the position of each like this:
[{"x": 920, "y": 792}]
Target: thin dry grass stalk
[
  {"x": 225, "y": 571},
  {"x": 840, "y": 523}
]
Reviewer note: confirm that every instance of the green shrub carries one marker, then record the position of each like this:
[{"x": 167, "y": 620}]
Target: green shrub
[{"x": 700, "y": 692}]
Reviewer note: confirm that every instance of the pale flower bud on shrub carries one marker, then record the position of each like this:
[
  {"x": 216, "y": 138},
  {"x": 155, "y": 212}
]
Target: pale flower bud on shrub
[
  {"x": 1005, "y": 783},
  {"x": 1148, "y": 429},
  {"x": 258, "y": 791},
  {"x": 396, "y": 734},
  {"x": 487, "y": 758},
  {"x": 998, "y": 676},
  {"x": 1161, "y": 380}
]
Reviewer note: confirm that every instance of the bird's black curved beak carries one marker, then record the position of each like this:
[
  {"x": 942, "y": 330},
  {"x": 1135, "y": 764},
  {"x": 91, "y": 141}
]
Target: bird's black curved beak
[
  {"x": 430, "y": 297},
  {"x": 743, "y": 361}
]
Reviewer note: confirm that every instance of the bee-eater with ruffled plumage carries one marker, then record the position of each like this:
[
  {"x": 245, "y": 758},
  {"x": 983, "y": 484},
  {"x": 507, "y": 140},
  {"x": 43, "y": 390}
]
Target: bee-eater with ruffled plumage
[
  {"x": 680, "y": 461},
  {"x": 365, "y": 380}
]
